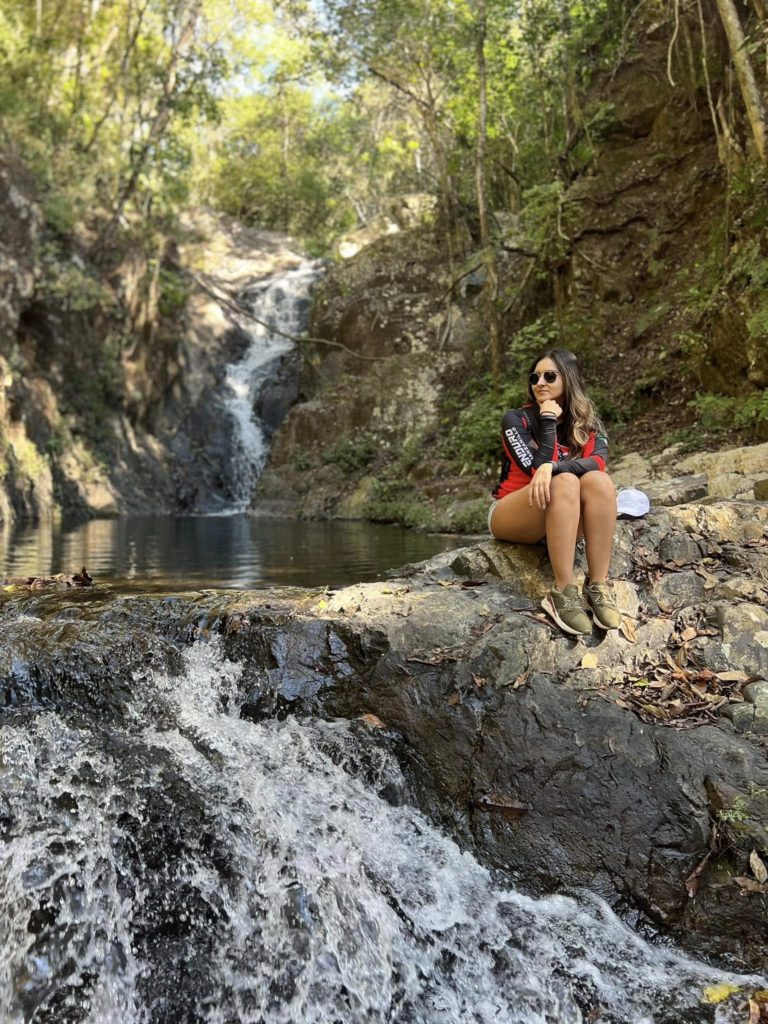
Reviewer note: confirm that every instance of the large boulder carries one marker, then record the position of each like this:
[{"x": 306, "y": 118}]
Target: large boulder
[{"x": 609, "y": 762}]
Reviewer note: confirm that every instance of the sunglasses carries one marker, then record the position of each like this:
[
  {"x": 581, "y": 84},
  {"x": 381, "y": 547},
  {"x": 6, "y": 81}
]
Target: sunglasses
[{"x": 550, "y": 376}]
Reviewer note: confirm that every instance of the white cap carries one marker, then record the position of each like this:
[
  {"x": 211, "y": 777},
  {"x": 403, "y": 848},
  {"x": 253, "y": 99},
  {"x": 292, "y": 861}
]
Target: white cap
[{"x": 632, "y": 503}]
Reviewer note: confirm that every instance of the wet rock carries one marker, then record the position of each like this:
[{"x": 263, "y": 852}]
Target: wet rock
[{"x": 493, "y": 707}]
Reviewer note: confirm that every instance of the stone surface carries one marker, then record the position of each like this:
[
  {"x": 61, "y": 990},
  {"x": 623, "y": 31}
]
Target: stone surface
[
  {"x": 486, "y": 697},
  {"x": 676, "y": 491}
]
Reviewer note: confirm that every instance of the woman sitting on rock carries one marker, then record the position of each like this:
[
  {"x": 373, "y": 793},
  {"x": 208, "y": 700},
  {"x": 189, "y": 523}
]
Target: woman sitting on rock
[{"x": 553, "y": 484}]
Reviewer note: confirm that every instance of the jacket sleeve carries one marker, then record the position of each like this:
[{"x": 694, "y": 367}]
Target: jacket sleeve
[
  {"x": 595, "y": 458},
  {"x": 519, "y": 443}
]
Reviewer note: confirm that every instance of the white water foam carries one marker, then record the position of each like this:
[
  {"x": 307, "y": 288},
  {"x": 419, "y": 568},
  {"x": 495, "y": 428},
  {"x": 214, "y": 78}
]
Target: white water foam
[
  {"x": 281, "y": 304},
  {"x": 329, "y": 899}
]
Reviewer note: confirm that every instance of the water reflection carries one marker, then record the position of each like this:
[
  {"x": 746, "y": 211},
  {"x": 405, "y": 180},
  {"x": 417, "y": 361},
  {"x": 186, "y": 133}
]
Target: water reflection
[{"x": 227, "y": 551}]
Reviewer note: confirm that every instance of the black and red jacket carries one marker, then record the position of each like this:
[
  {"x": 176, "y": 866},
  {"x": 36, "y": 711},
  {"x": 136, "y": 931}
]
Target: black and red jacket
[{"x": 529, "y": 440}]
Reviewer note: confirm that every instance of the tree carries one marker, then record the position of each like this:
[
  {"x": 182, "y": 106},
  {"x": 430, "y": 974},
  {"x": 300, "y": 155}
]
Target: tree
[{"x": 745, "y": 74}]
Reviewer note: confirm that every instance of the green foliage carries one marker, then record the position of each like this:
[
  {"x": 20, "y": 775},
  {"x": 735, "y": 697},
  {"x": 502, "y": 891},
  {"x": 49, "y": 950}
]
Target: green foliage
[
  {"x": 736, "y": 814},
  {"x": 732, "y": 274},
  {"x": 99, "y": 100},
  {"x": 174, "y": 291},
  {"x": 718, "y": 413},
  {"x": 351, "y": 454},
  {"x": 393, "y": 501},
  {"x": 73, "y": 285}
]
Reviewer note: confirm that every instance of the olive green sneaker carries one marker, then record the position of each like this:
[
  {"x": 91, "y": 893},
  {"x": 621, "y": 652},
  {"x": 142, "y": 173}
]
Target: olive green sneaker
[
  {"x": 565, "y": 607},
  {"x": 599, "y": 597}
]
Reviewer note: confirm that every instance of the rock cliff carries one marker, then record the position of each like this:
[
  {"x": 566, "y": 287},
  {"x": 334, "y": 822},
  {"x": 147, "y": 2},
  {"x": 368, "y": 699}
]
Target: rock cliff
[{"x": 111, "y": 396}]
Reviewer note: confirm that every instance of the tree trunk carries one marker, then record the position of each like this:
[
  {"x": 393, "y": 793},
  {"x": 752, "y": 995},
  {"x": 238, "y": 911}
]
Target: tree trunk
[
  {"x": 158, "y": 125},
  {"x": 490, "y": 288},
  {"x": 744, "y": 73}
]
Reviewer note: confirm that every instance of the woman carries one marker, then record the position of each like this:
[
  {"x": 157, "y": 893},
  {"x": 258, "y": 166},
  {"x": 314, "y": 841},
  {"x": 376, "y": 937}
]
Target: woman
[{"x": 553, "y": 484}]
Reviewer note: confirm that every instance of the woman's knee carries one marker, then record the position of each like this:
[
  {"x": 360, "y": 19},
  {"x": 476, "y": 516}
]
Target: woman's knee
[
  {"x": 598, "y": 484},
  {"x": 565, "y": 488}
]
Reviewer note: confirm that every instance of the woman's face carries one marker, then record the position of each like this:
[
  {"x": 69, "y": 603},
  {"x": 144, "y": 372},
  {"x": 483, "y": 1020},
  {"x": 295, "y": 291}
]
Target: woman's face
[{"x": 543, "y": 390}]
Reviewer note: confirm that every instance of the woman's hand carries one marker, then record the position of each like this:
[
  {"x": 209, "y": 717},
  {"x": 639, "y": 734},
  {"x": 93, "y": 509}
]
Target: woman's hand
[
  {"x": 551, "y": 407},
  {"x": 538, "y": 492}
]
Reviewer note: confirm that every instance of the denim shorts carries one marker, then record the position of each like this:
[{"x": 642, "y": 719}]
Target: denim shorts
[{"x": 494, "y": 503}]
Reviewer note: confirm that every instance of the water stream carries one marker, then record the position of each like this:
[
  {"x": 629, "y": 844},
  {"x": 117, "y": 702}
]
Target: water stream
[
  {"x": 179, "y": 864},
  {"x": 279, "y": 304}
]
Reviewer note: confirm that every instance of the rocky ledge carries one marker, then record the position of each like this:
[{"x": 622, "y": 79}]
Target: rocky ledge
[{"x": 632, "y": 763}]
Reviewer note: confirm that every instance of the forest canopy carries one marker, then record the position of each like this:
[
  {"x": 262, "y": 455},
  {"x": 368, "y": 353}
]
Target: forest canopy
[
  {"x": 324, "y": 117},
  {"x": 310, "y": 118}
]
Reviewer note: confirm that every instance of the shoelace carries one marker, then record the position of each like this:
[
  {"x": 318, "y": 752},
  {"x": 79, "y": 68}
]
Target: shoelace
[
  {"x": 571, "y": 602},
  {"x": 602, "y": 597}
]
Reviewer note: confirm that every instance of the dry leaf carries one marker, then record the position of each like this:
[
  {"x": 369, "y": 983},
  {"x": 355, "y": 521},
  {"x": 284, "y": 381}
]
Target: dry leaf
[
  {"x": 628, "y": 629},
  {"x": 688, "y": 634},
  {"x": 622, "y": 704},
  {"x": 455, "y": 698},
  {"x": 501, "y": 804},
  {"x": 479, "y": 681},
  {"x": 732, "y": 677},
  {"x": 693, "y": 881},
  {"x": 750, "y": 885},
  {"x": 589, "y": 660},
  {"x": 754, "y": 1012},
  {"x": 466, "y": 584},
  {"x": 373, "y": 721},
  {"x": 758, "y": 867},
  {"x": 520, "y": 681}
]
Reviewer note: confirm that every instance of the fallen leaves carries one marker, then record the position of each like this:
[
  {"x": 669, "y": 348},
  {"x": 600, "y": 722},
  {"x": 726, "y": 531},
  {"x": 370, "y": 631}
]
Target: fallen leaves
[
  {"x": 629, "y": 630},
  {"x": 693, "y": 881},
  {"x": 758, "y": 867},
  {"x": 678, "y": 696},
  {"x": 758, "y": 1007},
  {"x": 750, "y": 885},
  {"x": 498, "y": 803},
  {"x": 372, "y": 721},
  {"x": 62, "y": 580},
  {"x": 590, "y": 660}
]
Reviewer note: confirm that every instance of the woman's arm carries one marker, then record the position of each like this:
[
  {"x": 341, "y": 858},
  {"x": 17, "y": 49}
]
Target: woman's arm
[
  {"x": 595, "y": 458},
  {"x": 519, "y": 442}
]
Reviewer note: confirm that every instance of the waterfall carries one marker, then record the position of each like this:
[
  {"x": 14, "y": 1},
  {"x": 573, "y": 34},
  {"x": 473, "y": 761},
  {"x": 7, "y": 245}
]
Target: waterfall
[
  {"x": 174, "y": 864},
  {"x": 279, "y": 304}
]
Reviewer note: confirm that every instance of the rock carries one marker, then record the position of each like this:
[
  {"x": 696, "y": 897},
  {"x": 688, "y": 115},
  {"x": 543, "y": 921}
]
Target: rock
[
  {"x": 708, "y": 476},
  {"x": 633, "y": 470},
  {"x": 730, "y": 485},
  {"x": 677, "y": 491},
  {"x": 486, "y": 697},
  {"x": 679, "y": 548}
]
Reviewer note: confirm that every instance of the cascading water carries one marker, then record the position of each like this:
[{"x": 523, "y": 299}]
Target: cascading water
[
  {"x": 175, "y": 863},
  {"x": 282, "y": 303}
]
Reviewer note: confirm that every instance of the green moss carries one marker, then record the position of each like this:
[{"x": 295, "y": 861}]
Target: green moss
[
  {"x": 30, "y": 463},
  {"x": 351, "y": 454}
]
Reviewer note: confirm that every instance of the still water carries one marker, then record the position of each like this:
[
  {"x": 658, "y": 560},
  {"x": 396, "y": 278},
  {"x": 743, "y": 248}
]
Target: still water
[{"x": 217, "y": 551}]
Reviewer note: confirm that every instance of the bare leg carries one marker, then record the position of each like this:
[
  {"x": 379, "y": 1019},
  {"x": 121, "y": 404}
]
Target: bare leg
[
  {"x": 562, "y": 526},
  {"x": 516, "y": 521},
  {"x": 598, "y": 517}
]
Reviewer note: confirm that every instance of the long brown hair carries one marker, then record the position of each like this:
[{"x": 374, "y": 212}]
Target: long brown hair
[{"x": 579, "y": 416}]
